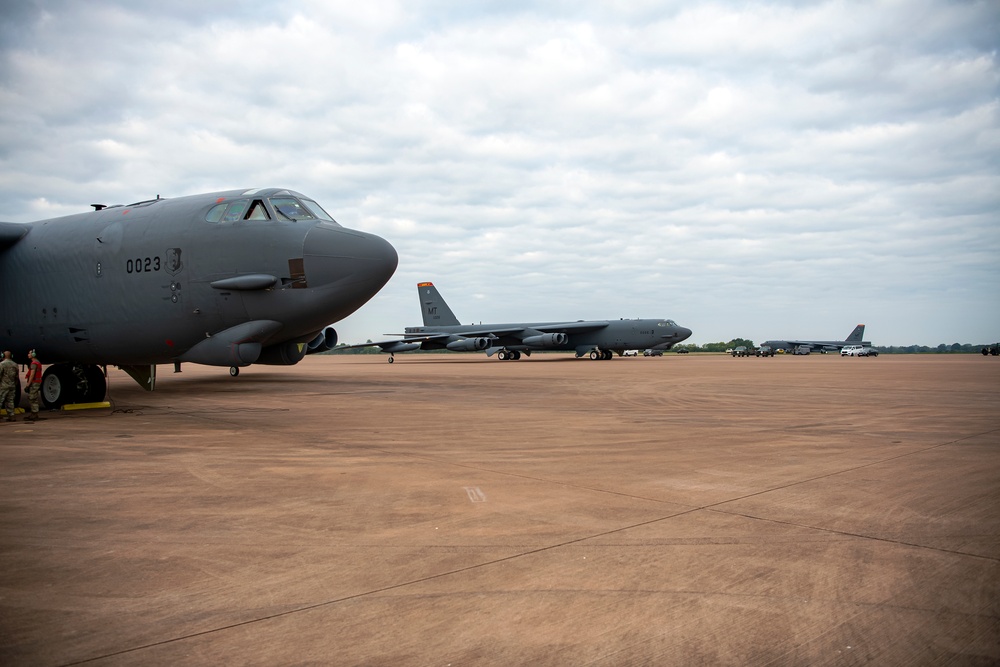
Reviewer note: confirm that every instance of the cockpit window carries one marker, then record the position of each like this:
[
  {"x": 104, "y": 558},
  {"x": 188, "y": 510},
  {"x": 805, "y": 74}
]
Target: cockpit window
[
  {"x": 257, "y": 211},
  {"x": 285, "y": 207},
  {"x": 238, "y": 209},
  {"x": 666, "y": 323},
  {"x": 317, "y": 210},
  {"x": 215, "y": 213},
  {"x": 291, "y": 209}
]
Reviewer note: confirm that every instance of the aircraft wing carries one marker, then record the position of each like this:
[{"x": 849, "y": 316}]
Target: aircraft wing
[
  {"x": 477, "y": 338},
  {"x": 528, "y": 329},
  {"x": 572, "y": 327},
  {"x": 396, "y": 343},
  {"x": 410, "y": 342}
]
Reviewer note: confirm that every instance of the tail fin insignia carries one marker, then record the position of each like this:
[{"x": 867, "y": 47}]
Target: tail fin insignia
[{"x": 857, "y": 334}]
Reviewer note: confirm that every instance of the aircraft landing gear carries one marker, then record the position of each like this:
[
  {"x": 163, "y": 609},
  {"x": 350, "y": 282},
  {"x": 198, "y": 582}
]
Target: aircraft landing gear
[
  {"x": 391, "y": 358},
  {"x": 508, "y": 355},
  {"x": 72, "y": 383},
  {"x": 601, "y": 355},
  {"x": 234, "y": 371}
]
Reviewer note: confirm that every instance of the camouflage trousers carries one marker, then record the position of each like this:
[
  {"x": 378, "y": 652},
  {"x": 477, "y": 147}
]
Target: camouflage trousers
[
  {"x": 34, "y": 389},
  {"x": 7, "y": 400}
]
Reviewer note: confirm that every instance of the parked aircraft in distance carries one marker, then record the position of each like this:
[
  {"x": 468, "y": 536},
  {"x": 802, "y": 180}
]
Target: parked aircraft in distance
[
  {"x": 806, "y": 346},
  {"x": 224, "y": 279},
  {"x": 600, "y": 339}
]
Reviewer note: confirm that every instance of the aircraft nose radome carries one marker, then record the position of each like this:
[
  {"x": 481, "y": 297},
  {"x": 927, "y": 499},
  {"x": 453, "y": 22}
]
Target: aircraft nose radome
[
  {"x": 337, "y": 255},
  {"x": 683, "y": 333}
]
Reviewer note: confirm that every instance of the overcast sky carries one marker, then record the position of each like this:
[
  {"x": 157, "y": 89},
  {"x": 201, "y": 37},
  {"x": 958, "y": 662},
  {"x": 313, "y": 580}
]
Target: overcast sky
[{"x": 759, "y": 170}]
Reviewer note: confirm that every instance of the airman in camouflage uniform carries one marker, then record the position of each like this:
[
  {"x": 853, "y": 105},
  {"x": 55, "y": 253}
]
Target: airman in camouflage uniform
[{"x": 8, "y": 384}]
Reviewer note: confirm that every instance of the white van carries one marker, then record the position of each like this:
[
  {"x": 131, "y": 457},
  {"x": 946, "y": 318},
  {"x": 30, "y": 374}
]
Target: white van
[{"x": 853, "y": 351}]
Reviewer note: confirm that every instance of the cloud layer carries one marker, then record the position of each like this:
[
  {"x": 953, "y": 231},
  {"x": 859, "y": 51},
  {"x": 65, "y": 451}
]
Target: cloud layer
[{"x": 756, "y": 170}]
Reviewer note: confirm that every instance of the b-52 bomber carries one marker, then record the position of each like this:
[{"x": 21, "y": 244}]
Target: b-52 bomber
[
  {"x": 807, "y": 346},
  {"x": 599, "y": 339},
  {"x": 225, "y": 279}
]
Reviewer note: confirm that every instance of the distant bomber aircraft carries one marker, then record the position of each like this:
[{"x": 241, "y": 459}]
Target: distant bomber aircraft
[
  {"x": 224, "y": 279},
  {"x": 820, "y": 345},
  {"x": 600, "y": 339}
]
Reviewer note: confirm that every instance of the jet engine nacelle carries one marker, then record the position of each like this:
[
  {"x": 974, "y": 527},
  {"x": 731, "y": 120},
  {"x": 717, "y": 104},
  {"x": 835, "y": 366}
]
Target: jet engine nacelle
[
  {"x": 324, "y": 341},
  {"x": 288, "y": 353},
  {"x": 546, "y": 340},
  {"x": 468, "y": 344},
  {"x": 236, "y": 346}
]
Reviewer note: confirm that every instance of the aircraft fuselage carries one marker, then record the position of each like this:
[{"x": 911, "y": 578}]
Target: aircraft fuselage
[
  {"x": 150, "y": 283},
  {"x": 615, "y": 335}
]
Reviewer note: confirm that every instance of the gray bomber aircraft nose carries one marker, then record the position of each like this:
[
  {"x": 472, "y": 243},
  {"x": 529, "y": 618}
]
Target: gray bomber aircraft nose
[
  {"x": 333, "y": 254},
  {"x": 683, "y": 333},
  {"x": 229, "y": 278}
]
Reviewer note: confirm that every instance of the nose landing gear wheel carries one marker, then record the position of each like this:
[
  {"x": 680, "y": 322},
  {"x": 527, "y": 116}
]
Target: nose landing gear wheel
[{"x": 234, "y": 370}]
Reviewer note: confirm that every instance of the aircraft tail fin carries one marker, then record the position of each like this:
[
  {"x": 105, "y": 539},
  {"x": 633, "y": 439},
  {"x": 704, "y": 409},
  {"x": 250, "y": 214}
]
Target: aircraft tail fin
[
  {"x": 857, "y": 334},
  {"x": 435, "y": 311}
]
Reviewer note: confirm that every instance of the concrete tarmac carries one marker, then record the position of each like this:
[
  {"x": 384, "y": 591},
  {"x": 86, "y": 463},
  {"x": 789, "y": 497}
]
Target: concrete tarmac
[{"x": 459, "y": 510}]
